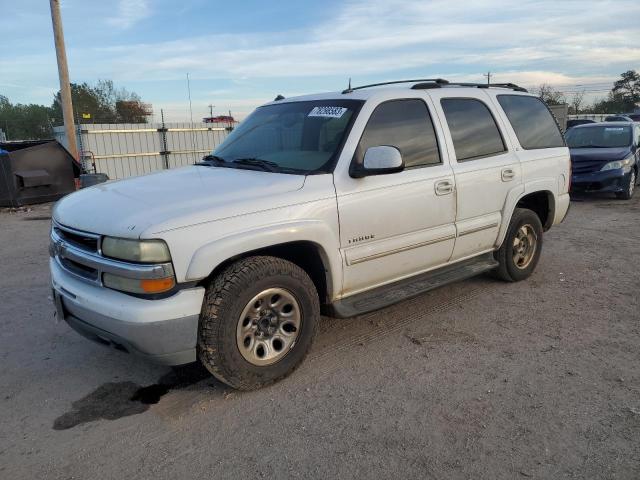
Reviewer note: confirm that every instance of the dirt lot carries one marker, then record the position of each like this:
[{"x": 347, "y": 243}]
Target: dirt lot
[{"x": 479, "y": 379}]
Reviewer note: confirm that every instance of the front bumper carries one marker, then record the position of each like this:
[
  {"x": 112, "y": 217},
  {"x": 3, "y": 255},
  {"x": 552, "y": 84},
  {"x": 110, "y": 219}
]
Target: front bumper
[
  {"x": 607, "y": 181},
  {"x": 164, "y": 331}
]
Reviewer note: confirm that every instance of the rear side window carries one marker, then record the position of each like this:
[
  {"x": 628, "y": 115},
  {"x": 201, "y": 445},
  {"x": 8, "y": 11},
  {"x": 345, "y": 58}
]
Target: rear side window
[
  {"x": 473, "y": 129},
  {"x": 532, "y": 121},
  {"x": 406, "y": 125}
]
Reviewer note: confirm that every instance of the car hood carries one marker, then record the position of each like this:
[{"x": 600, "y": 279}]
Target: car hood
[
  {"x": 599, "y": 154},
  {"x": 174, "y": 198}
]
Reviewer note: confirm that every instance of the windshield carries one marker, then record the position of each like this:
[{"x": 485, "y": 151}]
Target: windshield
[
  {"x": 297, "y": 137},
  {"x": 599, "y": 137}
]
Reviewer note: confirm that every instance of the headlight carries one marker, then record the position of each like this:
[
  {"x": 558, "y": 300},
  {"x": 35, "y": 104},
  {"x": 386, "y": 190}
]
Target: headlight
[
  {"x": 142, "y": 251},
  {"x": 617, "y": 164}
]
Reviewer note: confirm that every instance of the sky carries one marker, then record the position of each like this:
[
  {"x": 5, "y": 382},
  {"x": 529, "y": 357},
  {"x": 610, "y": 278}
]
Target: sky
[{"x": 241, "y": 54}]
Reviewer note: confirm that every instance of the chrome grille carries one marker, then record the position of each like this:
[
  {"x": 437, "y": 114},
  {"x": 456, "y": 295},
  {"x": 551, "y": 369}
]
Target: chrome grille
[
  {"x": 79, "y": 254},
  {"x": 83, "y": 240}
]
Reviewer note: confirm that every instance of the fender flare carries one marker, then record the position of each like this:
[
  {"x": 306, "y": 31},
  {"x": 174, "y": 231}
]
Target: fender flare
[
  {"x": 211, "y": 255},
  {"x": 547, "y": 185}
]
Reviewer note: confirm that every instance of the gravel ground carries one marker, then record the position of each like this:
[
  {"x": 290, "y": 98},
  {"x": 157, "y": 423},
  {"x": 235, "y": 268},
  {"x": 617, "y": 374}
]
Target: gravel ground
[{"x": 480, "y": 379}]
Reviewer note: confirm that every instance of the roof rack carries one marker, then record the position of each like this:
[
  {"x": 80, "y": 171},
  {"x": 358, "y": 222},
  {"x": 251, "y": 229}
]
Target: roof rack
[
  {"x": 511, "y": 86},
  {"x": 438, "y": 81},
  {"x": 426, "y": 83}
]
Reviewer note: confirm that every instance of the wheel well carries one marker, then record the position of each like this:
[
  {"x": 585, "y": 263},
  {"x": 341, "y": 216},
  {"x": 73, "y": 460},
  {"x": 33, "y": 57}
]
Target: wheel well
[
  {"x": 542, "y": 204},
  {"x": 307, "y": 255}
]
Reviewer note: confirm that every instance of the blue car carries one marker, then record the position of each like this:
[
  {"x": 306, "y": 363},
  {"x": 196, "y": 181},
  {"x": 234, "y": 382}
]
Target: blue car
[{"x": 605, "y": 157}]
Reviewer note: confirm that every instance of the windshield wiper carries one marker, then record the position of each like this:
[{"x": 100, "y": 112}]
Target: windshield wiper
[
  {"x": 265, "y": 165},
  {"x": 211, "y": 159}
]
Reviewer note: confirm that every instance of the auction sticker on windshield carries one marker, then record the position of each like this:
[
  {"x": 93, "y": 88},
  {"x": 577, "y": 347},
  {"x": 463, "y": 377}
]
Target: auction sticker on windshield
[{"x": 331, "y": 112}]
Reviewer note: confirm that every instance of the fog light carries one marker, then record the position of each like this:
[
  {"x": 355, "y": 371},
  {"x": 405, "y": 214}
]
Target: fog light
[{"x": 132, "y": 285}]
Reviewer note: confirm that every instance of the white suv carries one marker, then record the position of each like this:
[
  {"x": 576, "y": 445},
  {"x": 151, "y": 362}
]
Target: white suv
[{"x": 340, "y": 203}]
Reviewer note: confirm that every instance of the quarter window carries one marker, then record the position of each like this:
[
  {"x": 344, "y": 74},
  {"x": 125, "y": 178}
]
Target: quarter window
[
  {"x": 532, "y": 121},
  {"x": 473, "y": 129},
  {"x": 406, "y": 125}
]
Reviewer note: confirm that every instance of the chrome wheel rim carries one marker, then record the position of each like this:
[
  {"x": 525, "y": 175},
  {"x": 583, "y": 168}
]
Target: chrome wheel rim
[
  {"x": 524, "y": 246},
  {"x": 268, "y": 326}
]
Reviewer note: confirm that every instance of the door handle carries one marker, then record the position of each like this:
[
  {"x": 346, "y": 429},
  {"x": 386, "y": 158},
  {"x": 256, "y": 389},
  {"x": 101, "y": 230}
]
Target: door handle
[
  {"x": 444, "y": 187},
  {"x": 508, "y": 174}
]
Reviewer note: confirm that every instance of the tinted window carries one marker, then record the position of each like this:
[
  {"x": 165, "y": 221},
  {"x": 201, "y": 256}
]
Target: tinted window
[
  {"x": 601, "y": 136},
  {"x": 406, "y": 125},
  {"x": 532, "y": 121},
  {"x": 473, "y": 129}
]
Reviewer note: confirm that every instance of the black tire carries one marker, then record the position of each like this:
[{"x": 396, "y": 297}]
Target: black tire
[
  {"x": 629, "y": 188},
  {"x": 508, "y": 270},
  {"x": 227, "y": 296}
]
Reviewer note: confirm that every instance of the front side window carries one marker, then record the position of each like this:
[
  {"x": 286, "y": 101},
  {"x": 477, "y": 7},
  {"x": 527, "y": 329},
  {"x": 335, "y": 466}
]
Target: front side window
[
  {"x": 299, "y": 137},
  {"x": 473, "y": 130},
  {"x": 406, "y": 125},
  {"x": 600, "y": 136},
  {"x": 532, "y": 121}
]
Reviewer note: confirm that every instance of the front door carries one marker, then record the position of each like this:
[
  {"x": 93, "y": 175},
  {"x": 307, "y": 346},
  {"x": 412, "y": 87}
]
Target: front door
[{"x": 398, "y": 224}]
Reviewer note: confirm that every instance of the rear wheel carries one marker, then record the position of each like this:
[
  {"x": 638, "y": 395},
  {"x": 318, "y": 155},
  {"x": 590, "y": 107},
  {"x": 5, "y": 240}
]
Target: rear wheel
[
  {"x": 629, "y": 188},
  {"x": 520, "y": 250},
  {"x": 259, "y": 319}
]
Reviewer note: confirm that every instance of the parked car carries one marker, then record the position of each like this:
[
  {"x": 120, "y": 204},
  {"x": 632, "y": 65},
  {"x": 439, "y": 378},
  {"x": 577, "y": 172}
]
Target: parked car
[
  {"x": 340, "y": 202},
  {"x": 578, "y": 121},
  {"x": 618, "y": 118},
  {"x": 634, "y": 116},
  {"x": 605, "y": 157}
]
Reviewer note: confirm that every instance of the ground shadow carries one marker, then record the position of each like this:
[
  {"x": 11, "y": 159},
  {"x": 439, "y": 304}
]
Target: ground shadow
[{"x": 114, "y": 400}]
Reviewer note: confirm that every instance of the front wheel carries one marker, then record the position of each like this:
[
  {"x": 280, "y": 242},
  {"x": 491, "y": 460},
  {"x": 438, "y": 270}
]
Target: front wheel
[
  {"x": 629, "y": 188},
  {"x": 258, "y": 321},
  {"x": 520, "y": 250}
]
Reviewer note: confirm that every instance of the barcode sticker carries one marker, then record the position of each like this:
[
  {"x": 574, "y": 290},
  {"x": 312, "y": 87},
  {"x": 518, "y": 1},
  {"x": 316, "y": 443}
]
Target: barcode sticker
[{"x": 331, "y": 112}]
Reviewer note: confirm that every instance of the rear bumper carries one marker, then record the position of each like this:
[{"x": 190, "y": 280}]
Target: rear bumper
[
  {"x": 607, "y": 181},
  {"x": 163, "y": 331}
]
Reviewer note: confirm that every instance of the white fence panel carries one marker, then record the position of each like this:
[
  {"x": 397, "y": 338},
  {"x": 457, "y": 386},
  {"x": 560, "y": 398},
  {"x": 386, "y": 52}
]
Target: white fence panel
[{"x": 126, "y": 150}]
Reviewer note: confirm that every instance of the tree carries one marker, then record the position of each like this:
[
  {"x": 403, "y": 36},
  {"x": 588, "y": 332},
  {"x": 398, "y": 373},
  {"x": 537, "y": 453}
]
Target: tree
[
  {"x": 104, "y": 103},
  {"x": 628, "y": 87},
  {"x": 623, "y": 97},
  {"x": 24, "y": 122},
  {"x": 550, "y": 96},
  {"x": 575, "y": 103}
]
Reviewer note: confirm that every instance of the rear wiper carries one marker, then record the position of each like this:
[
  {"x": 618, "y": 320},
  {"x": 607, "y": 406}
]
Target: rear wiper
[{"x": 265, "y": 165}]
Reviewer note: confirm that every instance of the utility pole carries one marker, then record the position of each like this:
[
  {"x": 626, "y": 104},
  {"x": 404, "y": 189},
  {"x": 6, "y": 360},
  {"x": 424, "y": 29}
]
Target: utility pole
[
  {"x": 189, "y": 92},
  {"x": 211, "y": 110},
  {"x": 488, "y": 75},
  {"x": 63, "y": 73}
]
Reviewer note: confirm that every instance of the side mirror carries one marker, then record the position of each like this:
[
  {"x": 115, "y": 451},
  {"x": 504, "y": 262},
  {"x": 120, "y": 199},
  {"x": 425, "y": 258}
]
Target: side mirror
[{"x": 379, "y": 161}]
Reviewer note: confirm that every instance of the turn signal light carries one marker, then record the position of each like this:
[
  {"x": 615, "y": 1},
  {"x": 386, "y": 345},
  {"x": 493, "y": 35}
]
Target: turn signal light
[{"x": 157, "y": 285}]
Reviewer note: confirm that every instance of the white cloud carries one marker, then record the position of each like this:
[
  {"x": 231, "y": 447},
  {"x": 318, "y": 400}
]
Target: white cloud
[
  {"x": 564, "y": 43},
  {"x": 378, "y": 37},
  {"x": 129, "y": 12}
]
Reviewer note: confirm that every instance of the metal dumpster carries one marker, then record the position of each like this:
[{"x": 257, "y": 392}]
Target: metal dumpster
[{"x": 35, "y": 172}]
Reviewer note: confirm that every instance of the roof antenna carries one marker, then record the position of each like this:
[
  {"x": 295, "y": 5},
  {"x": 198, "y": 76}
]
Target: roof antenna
[{"x": 349, "y": 87}]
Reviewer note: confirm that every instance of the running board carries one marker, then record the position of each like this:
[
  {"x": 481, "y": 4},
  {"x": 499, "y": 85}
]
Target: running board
[{"x": 404, "y": 289}]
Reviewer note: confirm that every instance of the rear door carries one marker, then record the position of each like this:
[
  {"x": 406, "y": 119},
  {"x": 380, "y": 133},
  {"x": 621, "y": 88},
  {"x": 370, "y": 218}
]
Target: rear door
[{"x": 485, "y": 166}]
